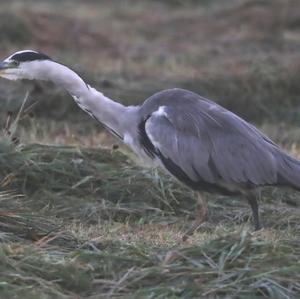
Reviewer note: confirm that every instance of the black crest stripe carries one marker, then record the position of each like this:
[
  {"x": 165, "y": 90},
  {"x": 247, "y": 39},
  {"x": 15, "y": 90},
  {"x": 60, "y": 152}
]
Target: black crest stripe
[{"x": 30, "y": 56}]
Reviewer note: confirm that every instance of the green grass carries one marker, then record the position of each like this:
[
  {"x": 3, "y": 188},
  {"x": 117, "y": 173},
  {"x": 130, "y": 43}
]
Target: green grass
[
  {"x": 241, "y": 265},
  {"x": 81, "y": 221},
  {"x": 78, "y": 221}
]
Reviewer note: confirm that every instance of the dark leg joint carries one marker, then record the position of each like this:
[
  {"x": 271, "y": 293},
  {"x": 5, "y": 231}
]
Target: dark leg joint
[{"x": 251, "y": 197}]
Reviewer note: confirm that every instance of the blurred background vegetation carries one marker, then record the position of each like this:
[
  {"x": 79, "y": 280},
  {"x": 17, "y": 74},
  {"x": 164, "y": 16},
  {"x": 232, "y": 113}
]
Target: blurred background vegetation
[
  {"x": 242, "y": 53},
  {"x": 75, "y": 220}
]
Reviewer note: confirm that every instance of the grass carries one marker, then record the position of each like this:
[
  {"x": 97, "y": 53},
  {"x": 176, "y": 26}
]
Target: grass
[
  {"x": 74, "y": 225},
  {"x": 239, "y": 52},
  {"x": 79, "y": 220},
  {"x": 242, "y": 265}
]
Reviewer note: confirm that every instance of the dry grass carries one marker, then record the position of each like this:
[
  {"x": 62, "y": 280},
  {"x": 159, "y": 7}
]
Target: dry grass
[
  {"x": 76, "y": 226},
  {"x": 81, "y": 221}
]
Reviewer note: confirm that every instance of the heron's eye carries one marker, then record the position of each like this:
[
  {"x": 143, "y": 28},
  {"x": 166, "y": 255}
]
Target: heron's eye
[{"x": 15, "y": 63}]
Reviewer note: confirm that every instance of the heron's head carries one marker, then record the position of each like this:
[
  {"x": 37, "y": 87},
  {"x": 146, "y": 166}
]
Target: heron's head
[{"x": 25, "y": 64}]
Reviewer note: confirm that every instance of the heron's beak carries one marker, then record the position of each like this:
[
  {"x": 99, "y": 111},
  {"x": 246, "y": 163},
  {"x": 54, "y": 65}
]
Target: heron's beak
[{"x": 4, "y": 65}]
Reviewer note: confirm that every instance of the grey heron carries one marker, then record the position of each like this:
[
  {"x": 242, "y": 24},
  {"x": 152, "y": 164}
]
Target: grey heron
[{"x": 202, "y": 144}]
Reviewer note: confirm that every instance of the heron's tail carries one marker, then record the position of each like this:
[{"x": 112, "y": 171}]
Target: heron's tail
[{"x": 288, "y": 172}]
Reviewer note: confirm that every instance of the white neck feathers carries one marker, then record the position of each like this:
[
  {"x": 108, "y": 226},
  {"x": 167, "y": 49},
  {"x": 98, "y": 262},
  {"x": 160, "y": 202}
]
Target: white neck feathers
[{"x": 105, "y": 110}]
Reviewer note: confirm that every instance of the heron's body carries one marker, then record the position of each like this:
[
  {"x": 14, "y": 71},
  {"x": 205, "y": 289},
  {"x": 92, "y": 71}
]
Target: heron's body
[
  {"x": 202, "y": 144},
  {"x": 208, "y": 147}
]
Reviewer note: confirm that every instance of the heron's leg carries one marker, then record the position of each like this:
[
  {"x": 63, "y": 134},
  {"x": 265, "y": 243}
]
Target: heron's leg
[
  {"x": 201, "y": 213},
  {"x": 252, "y": 199}
]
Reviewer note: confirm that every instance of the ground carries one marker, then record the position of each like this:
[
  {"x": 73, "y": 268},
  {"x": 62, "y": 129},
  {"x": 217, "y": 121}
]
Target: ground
[{"x": 80, "y": 215}]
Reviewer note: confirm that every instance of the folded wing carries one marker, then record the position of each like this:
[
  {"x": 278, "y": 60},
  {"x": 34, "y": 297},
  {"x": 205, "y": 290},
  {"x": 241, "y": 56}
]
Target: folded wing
[{"x": 207, "y": 147}]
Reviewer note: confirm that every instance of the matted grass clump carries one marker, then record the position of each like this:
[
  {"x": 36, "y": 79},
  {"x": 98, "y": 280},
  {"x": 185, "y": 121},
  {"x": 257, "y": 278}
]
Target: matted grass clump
[
  {"x": 87, "y": 183},
  {"x": 239, "y": 266},
  {"x": 88, "y": 223}
]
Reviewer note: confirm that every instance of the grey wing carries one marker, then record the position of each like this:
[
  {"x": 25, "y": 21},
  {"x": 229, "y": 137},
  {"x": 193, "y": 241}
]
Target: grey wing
[{"x": 212, "y": 150}]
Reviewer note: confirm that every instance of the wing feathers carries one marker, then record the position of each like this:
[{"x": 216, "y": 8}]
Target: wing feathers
[{"x": 209, "y": 147}]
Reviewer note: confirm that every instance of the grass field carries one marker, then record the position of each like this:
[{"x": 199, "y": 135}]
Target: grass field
[{"x": 80, "y": 215}]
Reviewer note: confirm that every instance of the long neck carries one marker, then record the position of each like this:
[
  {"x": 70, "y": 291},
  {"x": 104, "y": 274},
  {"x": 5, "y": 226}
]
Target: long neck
[{"x": 103, "y": 109}]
